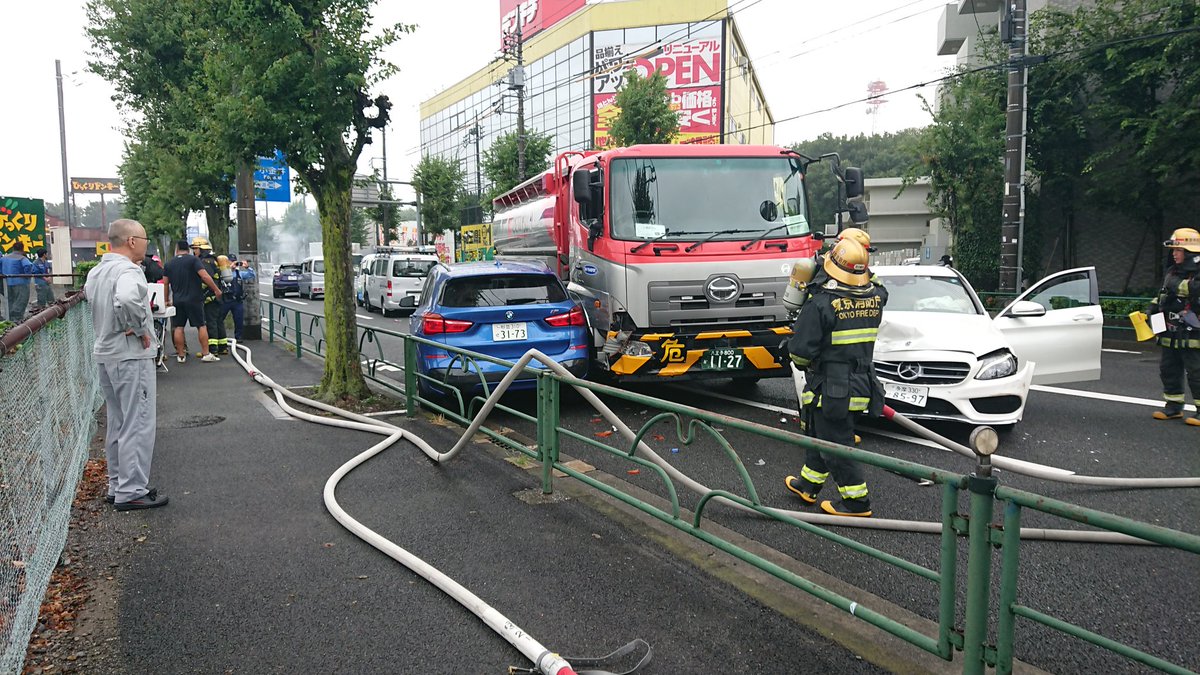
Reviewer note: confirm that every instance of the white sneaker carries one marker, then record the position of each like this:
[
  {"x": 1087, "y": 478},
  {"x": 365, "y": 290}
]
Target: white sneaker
[
  {"x": 210, "y": 358},
  {"x": 180, "y": 359}
]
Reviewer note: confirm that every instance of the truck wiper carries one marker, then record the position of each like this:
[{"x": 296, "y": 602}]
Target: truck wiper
[
  {"x": 762, "y": 236},
  {"x": 710, "y": 237},
  {"x": 646, "y": 243}
]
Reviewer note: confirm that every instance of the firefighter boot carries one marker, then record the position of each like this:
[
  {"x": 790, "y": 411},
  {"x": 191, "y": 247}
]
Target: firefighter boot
[
  {"x": 1173, "y": 410},
  {"x": 1194, "y": 420},
  {"x": 857, "y": 508},
  {"x": 803, "y": 489}
]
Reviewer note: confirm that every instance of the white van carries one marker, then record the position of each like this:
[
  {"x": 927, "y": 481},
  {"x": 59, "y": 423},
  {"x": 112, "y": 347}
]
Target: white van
[
  {"x": 391, "y": 277},
  {"x": 312, "y": 278}
]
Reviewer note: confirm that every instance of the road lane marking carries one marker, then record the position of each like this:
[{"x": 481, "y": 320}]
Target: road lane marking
[
  {"x": 365, "y": 318},
  {"x": 295, "y": 302},
  {"x": 1119, "y": 351},
  {"x": 1101, "y": 396},
  {"x": 272, "y": 407}
]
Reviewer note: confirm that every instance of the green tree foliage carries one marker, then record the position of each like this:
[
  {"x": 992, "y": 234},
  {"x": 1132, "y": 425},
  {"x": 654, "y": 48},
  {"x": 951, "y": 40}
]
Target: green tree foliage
[
  {"x": 499, "y": 162},
  {"x": 646, "y": 115},
  {"x": 440, "y": 184},
  {"x": 878, "y": 156},
  {"x": 962, "y": 153},
  {"x": 1115, "y": 121},
  {"x": 250, "y": 77}
]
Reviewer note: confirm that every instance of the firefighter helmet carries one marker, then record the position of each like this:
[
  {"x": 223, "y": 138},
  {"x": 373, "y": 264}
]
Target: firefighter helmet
[
  {"x": 1185, "y": 238},
  {"x": 847, "y": 262},
  {"x": 858, "y": 235},
  {"x": 201, "y": 243}
]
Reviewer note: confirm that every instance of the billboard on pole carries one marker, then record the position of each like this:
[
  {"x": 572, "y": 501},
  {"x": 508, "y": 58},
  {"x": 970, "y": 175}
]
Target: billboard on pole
[
  {"x": 272, "y": 179},
  {"x": 22, "y": 220}
]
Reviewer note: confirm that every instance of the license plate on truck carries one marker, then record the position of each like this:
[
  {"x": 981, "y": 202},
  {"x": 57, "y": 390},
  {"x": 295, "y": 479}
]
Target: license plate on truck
[{"x": 722, "y": 359}]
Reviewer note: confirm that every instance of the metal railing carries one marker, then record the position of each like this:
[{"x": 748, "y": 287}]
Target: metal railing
[
  {"x": 48, "y": 398},
  {"x": 970, "y": 633}
]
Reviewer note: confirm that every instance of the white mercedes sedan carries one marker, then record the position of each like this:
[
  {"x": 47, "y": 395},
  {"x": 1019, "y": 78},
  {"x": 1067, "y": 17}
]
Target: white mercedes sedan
[{"x": 941, "y": 356}]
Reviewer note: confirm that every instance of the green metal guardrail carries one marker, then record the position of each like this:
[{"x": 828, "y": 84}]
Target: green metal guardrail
[{"x": 977, "y": 526}]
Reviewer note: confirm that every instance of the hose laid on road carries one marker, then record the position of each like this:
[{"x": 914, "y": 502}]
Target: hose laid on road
[
  {"x": 646, "y": 452},
  {"x": 546, "y": 661}
]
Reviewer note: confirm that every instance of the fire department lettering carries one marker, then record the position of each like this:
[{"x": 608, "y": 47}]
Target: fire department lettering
[{"x": 857, "y": 308}]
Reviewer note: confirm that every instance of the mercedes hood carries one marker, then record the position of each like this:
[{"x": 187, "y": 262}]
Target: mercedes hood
[{"x": 938, "y": 331}]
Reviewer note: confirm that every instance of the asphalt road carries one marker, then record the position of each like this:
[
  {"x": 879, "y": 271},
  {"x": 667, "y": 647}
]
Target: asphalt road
[{"x": 1145, "y": 596}]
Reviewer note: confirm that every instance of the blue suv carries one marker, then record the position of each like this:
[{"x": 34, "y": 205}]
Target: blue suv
[{"x": 501, "y": 309}]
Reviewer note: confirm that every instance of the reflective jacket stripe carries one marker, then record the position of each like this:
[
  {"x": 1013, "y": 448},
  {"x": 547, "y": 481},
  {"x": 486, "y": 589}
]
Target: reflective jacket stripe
[
  {"x": 855, "y": 336},
  {"x": 800, "y": 361},
  {"x": 857, "y": 403}
]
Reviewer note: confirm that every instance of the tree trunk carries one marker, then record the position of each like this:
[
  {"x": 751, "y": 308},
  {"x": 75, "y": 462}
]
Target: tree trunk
[
  {"x": 343, "y": 379},
  {"x": 217, "y": 217}
]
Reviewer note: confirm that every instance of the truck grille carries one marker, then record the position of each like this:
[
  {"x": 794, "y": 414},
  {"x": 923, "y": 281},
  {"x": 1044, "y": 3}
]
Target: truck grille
[
  {"x": 683, "y": 304},
  {"x": 930, "y": 372}
]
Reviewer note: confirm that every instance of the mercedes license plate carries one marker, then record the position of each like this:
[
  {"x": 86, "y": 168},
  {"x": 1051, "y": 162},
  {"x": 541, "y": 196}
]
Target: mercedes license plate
[
  {"x": 904, "y": 393},
  {"x": 722, "y": 359},
  {"x": 509, "y": 332}
]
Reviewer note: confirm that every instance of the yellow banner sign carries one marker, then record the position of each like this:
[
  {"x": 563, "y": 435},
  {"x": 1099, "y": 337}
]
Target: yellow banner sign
[{"x": 101, "y": 248}]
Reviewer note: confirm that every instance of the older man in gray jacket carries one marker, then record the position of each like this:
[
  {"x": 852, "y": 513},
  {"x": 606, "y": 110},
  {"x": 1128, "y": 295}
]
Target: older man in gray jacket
[{"x": 125, "y": 349}]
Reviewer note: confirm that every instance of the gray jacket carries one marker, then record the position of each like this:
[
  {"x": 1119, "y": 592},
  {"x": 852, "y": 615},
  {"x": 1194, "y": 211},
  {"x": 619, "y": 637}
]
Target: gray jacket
[{"x": 116, "y": 290}]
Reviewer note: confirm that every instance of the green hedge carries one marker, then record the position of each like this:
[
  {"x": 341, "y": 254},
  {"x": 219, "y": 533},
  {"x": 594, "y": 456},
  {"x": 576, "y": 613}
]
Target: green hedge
[{"x": 81, "y": 272}]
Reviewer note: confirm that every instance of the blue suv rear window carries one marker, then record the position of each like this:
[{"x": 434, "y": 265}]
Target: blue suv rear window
[{"x": 501, "y": 291}]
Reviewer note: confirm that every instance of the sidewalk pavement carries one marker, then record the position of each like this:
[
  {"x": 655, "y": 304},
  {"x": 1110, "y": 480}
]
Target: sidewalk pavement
[{"x": 245, "y": 571}]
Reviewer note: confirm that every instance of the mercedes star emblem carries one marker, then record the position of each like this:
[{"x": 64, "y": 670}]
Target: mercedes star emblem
[{"x": 908, "y": 371}]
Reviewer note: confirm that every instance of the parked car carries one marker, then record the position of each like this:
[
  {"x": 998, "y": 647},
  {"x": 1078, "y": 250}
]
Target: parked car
[
  {"x": 312, "y": 278},
  {"x": 360, "y": 277},
  {"x": 501, "y": 309},
  {"x": 286, "y": 280},
  {"x": 941, "y": 356},
  {"x": 393, "y": 277}
]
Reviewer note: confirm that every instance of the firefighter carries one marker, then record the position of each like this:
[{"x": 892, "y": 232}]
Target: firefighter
[
  {"x": 1179, "y": 301},
  {"x": 233, "y": 302},
  {"x": 217, "y": 342},
  {"x": 833, "y": 341}
]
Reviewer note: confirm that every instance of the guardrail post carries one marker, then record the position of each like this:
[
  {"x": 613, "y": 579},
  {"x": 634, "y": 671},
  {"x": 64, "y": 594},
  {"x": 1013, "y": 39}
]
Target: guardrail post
[
  {"x": 982, "y": 486},
  {"x": 299, "y": 339},
  {"x": 410, "y": 377},
  {"x": 948, "y": 571},
  {"x": 270, "y": 321},
  {"x": 1009, "y": 561},
  {"x": 547, "y": 403}
]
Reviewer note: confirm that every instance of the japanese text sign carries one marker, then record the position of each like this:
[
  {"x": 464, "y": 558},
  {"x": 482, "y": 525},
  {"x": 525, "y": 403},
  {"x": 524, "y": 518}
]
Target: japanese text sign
[{"x": 22, "y": 220}]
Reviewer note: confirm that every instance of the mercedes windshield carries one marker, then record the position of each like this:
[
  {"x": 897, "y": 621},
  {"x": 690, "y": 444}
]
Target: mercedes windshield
[{"x": 710, "y": 198}]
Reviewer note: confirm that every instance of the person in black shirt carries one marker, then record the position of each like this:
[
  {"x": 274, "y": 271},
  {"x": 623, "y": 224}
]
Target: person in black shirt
[
  {"x": 187, "y": 279},
  {"x": 154, "y": 271}
]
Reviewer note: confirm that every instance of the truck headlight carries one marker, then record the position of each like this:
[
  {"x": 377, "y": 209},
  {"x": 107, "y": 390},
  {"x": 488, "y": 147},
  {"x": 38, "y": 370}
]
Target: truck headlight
[
  {"x": 996, "y": 365},
  {"x": 637, "y": 348}
]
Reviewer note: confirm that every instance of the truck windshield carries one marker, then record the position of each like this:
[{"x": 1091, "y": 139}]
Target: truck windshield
[{"x": 693, "y": 198}]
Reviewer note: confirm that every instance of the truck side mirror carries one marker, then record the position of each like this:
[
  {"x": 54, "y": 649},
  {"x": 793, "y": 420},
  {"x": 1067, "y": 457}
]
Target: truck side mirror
[
  {"x": 858, "y": 213},
  {"x": 854, "y": 182},
  {"x": 581, "y": 186}
]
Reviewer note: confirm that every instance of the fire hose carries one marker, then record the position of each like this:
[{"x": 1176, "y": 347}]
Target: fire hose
[{"x": 545, "y": 661}]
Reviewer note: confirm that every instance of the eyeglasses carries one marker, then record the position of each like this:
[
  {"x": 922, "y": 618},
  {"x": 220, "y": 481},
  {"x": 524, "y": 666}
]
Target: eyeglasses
[{"x": 134, "y": 236}]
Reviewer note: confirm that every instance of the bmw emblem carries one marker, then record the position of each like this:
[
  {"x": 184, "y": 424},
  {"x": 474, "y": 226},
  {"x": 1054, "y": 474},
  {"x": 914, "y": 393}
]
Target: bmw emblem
[{"x": 508, "y": 314}]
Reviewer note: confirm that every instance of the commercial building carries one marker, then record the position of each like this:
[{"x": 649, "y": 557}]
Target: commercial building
[{"x": 576, "y": 54}]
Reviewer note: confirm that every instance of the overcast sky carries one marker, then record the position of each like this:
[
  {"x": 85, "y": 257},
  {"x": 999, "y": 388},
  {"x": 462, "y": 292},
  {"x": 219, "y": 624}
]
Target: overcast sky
[{"x": 808, "y": 56}]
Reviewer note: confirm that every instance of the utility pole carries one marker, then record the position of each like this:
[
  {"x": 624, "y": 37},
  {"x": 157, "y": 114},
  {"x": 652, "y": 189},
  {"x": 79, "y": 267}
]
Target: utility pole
[
  {"x": 1013, "y": 28},
  {"x": 248, "y": 248},
  {"x": 476, "y": 131},
  {"x": 379, "y": 234},
  {"x": 516, "y": 81},
  {"x": 62, "y": 141}
]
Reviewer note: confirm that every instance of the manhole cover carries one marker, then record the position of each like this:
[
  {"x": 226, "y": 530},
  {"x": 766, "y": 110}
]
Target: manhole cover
[{"x": 198, "y": 421}]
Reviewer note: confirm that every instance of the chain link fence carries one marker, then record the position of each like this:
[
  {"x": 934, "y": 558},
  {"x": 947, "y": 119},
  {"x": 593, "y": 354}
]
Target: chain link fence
[{"x": 48, "y": 398}]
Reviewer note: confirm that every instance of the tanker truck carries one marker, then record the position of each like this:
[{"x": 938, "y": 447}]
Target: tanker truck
[{"x": 679, "y": 254}]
